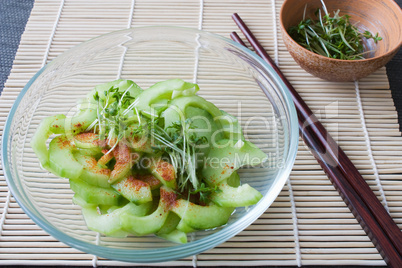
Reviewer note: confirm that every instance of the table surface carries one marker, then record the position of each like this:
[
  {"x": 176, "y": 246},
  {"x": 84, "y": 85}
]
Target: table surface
[{"x": 14, "y": 15}]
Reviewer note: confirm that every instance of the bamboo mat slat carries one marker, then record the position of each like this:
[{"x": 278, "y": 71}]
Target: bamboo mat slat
[{"x": 308, "y": 224}]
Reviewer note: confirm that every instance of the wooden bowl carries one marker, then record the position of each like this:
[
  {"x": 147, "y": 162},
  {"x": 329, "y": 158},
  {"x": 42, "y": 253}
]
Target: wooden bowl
[{"x": 382, "y": 16}]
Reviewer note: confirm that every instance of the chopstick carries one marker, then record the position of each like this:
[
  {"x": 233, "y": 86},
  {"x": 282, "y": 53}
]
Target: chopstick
[{"x": 356, "y": 193}]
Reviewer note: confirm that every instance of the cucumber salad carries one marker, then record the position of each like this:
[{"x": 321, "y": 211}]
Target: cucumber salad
[{"x": 158, "y": 161}]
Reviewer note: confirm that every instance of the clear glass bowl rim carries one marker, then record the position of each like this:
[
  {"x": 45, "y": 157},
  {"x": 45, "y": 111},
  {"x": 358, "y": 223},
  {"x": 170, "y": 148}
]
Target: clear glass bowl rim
[{"x": 179, "y": 251}]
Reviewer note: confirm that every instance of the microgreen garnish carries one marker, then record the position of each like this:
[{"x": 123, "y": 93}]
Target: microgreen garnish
[
  {"x": 112, "y": 122},
  {"x": 205, "y": 192},
  {"x": 369, "y": 35},
  {"x": 333, "y": 37},
  {"x": 180, "y": 145}
]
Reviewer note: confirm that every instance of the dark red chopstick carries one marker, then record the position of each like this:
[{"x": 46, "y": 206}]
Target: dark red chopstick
[{"x": 375, "y": 220}]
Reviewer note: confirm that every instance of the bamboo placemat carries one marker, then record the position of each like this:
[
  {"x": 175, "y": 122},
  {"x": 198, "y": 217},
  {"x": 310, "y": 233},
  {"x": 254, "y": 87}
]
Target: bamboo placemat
[{"x": 308, "y": 224}]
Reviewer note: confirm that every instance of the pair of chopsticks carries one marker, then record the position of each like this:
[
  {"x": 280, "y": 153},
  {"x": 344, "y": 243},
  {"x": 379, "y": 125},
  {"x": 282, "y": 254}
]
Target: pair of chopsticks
[{"x": 361, "y": 200}]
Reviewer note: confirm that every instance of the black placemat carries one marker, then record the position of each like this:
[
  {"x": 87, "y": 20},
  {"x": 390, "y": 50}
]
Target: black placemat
[
  {"x": 14, "y": 15},
  {"x": 394, "y": 72}
]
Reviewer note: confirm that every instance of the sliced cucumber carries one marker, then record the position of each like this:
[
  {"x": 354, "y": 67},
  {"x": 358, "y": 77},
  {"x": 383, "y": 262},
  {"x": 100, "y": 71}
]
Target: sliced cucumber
[
  {"x": 134, "y": 190},
  {"x": 138, "y": 210},
  {"x": 164, "y": 172},
  {"x": 87, "y": 140},
  {"x": 78, "y": 200},
  {"x": 202, "y": 126},
  {"x": 57, "y": 127},
  {"x": 233, "y": 180},
  {"x": 61, "y": 158},
  {"x": 92, "y": 173},
  {"x": 225, "y": 158},
  {"x": 170, "y": 224},
  {"x": 105, "y": 158},
  {"x": 151, "y": 223},
  {"x": 178, "y": 106},
  {"x": 101, "y": 89},
  {"x": 160, "y": 93},
  {"x": 231, "y": 126},
  {"x": 95, "y": 195},
  {"x": 184, "y": 227},
  {"x": 124, "y": 162},
  {"x": 175, "y": 236},
  {"x": 241, "y": 196},
  {"x": 153, "y": 182},
  {"x": 82, "y": 120},
  {"x": 201, "y": 217},
  {"x": 144, "y": 225},
  {"x": 132, "y": 88},
  {"x": 42, "y": 134},
  {"x": 107, "y": 224}
]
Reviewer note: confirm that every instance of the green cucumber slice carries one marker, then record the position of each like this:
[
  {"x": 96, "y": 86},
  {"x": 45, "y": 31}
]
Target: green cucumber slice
[
  {"x": 107, "y": 224},
  {"x": 42, "y": 134},
  {"x": 95, "y": 195},
  {"x": 82, "y": 120},
  {"x": 175, "y": 236},
  {"x": 134, "y": 190},
  {"x": 241, "y": 196},
  {"x": 92, "y": 173},
  {"x": 233, "y": 180},
  {"x": 57, "y": 126},
  {"x": 61, "y": 158},
  {"x": 177, "y": 108},
  {"x": 88, "y": 144},
  {"x": 231, "y": 126},
  {"x": 184, "y": 227},
  {"x": 170, "y": 224},
  {"x": 164, "y": 172},
  {"x": 160, "y": 92},
  {"x": 78, "y": 200},
  {"x": 225, "y": 158},
  {"x": 151, "y": 223},
  {"x": 153, "y": 182},
  {"x": 201, "y": 217},
  {"x": 124, "y": 162},
  {"x": 87, "y": 140}
]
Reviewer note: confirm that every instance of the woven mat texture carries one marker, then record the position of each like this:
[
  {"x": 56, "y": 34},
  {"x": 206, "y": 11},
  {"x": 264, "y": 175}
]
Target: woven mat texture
[{"x": 308, "y": 224}]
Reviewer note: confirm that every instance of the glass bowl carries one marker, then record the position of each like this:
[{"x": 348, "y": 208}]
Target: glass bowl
[{"x": 229, "y": 75}]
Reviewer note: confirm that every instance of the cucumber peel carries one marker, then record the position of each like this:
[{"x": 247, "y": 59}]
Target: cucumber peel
[
  {"x": 61, "y": 158},
  {"x": 42, "y": 134},
  {"x": 226, "y": 158},
  {"x": 175, "y": 236},
  {"x": 202, "y": 217},
  {"x": 160, "y": 93},
  {"x": 153, "y": 222},
  {"x": 95, "y": 195}
]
